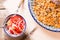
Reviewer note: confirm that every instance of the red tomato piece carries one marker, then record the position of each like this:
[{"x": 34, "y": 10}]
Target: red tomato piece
[
  {"x": 11, "y": 31},
  {"x": 17, "y": 29},
  {"x": 21, "y": 26}
]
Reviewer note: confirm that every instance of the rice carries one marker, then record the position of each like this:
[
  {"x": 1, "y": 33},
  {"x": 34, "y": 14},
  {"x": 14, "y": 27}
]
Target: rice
[{"x": 47, "y": 12}]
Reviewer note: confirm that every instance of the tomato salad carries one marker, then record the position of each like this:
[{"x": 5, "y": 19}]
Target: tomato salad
[{"x": 15, "y": 25}]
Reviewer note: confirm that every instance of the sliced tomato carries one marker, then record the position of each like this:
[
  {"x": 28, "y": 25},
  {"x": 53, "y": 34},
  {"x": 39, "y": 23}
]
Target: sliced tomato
[
  {"x": 17, "y": 30},
  {"x": 21, "y": 26},
  {"x": 11, "y": 31}
]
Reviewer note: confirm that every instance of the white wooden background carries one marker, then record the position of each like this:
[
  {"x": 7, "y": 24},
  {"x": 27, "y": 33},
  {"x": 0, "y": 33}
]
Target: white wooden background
[{"x": 40, "y": 33}]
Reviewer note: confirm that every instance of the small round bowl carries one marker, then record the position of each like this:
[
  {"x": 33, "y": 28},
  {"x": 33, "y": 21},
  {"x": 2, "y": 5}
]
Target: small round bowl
[
  {"x": 50, "y": 28},
  {"x": 5, "y": 29}
]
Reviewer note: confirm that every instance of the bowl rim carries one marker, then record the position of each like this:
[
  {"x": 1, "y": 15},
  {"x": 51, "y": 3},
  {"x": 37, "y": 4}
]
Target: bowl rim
[
  {"x": 7, "y": 20},
  {"x": 37, "y": 20}
]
